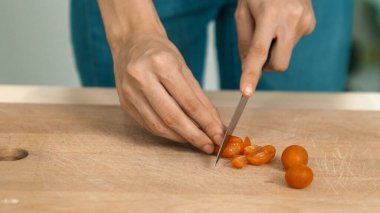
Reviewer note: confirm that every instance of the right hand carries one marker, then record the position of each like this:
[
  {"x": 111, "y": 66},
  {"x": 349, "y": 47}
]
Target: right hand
[
  {"x": 258, "y": 23},
  {"x": 158, "y": 90}
]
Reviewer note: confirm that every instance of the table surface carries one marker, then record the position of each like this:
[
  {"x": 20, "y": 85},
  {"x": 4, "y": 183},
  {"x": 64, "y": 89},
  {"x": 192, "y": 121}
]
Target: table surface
[{"x": 85, "y": 154}]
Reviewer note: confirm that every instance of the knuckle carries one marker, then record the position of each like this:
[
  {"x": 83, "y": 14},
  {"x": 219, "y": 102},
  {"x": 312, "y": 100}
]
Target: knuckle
[
  {"x": 158, "y": 129},
  {"x": 304, "y": 26},
  {"x": 165, "y": 65},
  {"x": 259, "y": 51},
  {"x": 134, "y": 70},
  {"x": 171, "y": 120},
  {"x": 280, "y": 66},
  {"x": 240, "y": 14},
  {"x": 249, "y": 70},
  {"x": 296, "y": 11},
  {"x": 211, "y": 126},
  {"x": 162, "y": 59},
  {"x": 311, "y": 24},
  {"x": 191, "y": 106},
  {"x": 243, "y": 50},
  {"x": 196, "y": 136},
  {"x": 168, "y": 76},
  {"x": 125, "y": 90}
]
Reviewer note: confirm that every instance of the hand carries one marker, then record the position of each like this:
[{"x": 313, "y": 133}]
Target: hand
[
  {"x": 259, "y": 22},
  {"x": 159, "y": 91}
]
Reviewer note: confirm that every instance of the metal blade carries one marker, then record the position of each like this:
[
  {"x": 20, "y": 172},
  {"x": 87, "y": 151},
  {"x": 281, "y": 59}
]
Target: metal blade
[{"x": 231, "y": 127}]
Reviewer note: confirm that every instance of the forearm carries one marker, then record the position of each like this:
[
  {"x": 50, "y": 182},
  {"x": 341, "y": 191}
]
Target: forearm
[{"x": 124, "y": 19}]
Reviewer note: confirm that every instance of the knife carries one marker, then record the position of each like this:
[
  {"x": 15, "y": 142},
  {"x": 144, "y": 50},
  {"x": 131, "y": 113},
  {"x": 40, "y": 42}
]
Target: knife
[{"x": 231, "y": 127}]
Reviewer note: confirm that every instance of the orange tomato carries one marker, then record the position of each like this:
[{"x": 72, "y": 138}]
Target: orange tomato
[
  {"x": 247, "y": 142},
  {"x": 248, "y": 150},
  {"x": 262, "y": 155},
  {"x": 235, "y": 139},
  {"x": 294, "y": 155},
  {"x": 233, "y": 147},
  {"x": 239, "y": 162},
  {"x": 299, "y": 176}
]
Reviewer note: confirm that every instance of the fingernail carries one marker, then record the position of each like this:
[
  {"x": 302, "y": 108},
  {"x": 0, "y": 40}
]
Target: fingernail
[
  {"x": 218, "y": 139},
  {"x": 248, "y": 91},
  {"x": 208, "y": 148}
]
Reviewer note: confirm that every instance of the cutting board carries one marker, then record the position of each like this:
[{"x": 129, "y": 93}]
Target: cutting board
[{"x": 95, "y": 158}]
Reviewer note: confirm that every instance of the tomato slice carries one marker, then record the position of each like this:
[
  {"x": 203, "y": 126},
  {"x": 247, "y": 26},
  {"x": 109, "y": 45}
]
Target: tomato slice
[
  {"x": 248, "y": 150},
  {"x": 261, "y": 155},
  {"x": 234, "y": 147},
  {"x": 239, "y": 162},
  {"x": 247, "y": 142}
]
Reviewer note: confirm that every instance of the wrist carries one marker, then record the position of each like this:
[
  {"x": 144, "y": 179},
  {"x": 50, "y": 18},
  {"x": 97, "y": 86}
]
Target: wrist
[
  {"x": 119, "y": 36},
  {"x": 130, "y": 19}
]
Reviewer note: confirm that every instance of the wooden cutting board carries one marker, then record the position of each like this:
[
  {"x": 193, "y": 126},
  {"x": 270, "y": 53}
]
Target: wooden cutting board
[{"x": 95, "y": 158}]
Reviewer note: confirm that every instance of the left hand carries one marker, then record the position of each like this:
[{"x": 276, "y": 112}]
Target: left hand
[{"x": 259, "y": 22}]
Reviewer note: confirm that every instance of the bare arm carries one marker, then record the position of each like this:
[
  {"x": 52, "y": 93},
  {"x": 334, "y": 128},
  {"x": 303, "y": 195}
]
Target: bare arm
[{"x": 124, "y": 19}]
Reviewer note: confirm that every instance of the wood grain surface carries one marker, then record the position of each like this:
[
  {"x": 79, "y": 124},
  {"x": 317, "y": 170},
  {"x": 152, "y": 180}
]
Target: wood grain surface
[{"x": 93, "y": 158}]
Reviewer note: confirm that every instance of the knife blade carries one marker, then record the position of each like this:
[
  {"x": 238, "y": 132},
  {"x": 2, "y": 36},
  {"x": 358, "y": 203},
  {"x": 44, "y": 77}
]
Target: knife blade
[{"x": 231, "y": 126}]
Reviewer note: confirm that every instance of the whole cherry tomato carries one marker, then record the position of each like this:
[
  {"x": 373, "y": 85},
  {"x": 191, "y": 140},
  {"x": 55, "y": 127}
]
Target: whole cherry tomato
[
  {"x": 239, "y": 162},
  {"x": 294, "y": 155},
  {"x": 299, "y": 176},
  {"x": 262, "y": 155}
]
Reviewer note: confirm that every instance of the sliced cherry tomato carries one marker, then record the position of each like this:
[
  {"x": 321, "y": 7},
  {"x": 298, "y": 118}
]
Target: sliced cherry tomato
[
  {"x": 234, "y": 147},
  {"x": 248, "y": 150},
  {"x": 247, "y": 142},
  {"x": 262, "y": 155},
  {"x": 294, "y": 155},
  {"x": 235, "y": 139},
  {"x": 239, "y": 162},
  {"x": 299, "y": 176}
]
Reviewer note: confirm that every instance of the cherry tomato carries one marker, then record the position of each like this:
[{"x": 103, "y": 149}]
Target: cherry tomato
[
  {"x": 248, "y": 150},
  {"x": 299, "y": 176},
  {"x": 239, "y": 162},
  {"x": 233, "y": 147},
  {"x": 247, "y": 142},
  {"x": 294, "y": 155},
  {"x": 262, "y": 155}
]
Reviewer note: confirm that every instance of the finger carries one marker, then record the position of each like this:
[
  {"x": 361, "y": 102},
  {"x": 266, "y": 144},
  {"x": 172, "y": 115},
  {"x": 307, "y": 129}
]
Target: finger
[
  {"x": 257, "y": 55},
  {"x": 132, "y": 112},
  {"x": 173, "y": 116},
  {"x": 205, "y": 101},
  {"x": 245, "y": 27},
  {"x": 200, "y": 94},
  {"x": 178, "y": 87},
  {"x": 139, "y": 109},
  {"x": 281, "y": 53},
  {"x": 310, "y": 19}
]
